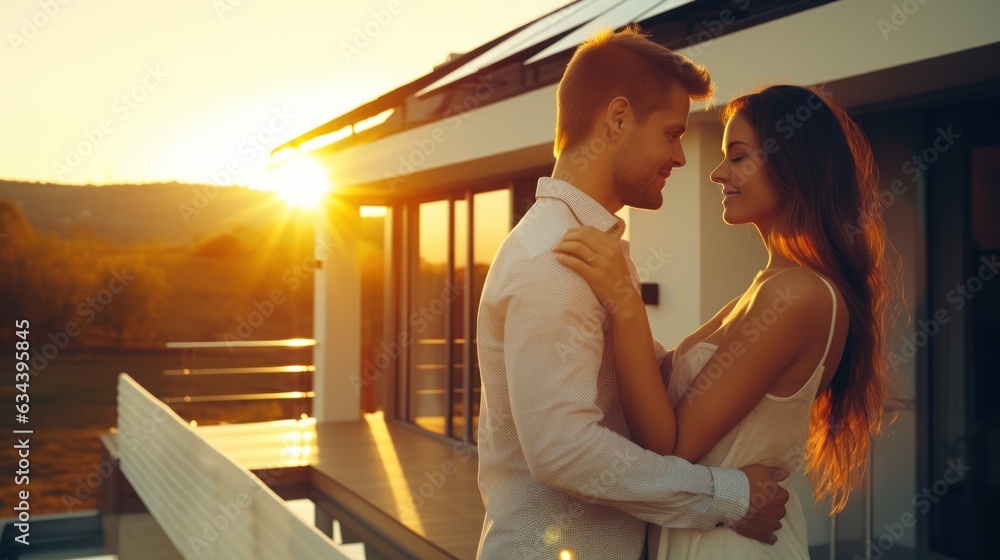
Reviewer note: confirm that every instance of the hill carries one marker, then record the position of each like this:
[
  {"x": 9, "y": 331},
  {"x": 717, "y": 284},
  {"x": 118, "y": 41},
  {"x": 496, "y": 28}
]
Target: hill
[
  {"x": 203, "y": 256},
  {"x": 107, "y": 276},
  {"x": 173, "y": 213}
]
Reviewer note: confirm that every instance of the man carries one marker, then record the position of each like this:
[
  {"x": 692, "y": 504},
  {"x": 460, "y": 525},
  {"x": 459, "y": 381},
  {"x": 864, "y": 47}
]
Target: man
[{"x": 558, "y": 475}]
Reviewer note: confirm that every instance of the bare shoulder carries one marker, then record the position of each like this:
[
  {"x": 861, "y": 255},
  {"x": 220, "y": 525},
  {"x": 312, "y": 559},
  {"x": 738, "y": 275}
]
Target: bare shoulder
[
  {"x": 796, "y": 300},
  {"x": 798, "y": 286}
]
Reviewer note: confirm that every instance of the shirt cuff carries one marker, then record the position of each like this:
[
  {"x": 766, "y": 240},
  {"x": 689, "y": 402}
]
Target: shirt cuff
[{"x": 732, "y": 495}]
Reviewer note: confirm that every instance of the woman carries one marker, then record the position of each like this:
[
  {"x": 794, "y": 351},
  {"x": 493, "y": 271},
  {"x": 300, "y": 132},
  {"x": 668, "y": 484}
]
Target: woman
[{"x": 793, "y": 368}]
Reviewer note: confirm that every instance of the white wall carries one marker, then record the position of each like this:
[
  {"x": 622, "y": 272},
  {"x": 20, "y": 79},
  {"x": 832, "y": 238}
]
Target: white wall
[
  {"x": 709, "y": 261},
  {"x": 337, "y": 315}
]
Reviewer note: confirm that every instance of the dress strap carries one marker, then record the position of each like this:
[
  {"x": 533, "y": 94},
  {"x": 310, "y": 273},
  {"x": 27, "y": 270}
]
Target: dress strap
[{"x": 833, "y": 318}]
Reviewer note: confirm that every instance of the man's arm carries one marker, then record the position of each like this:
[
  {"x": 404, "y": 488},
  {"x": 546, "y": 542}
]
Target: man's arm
[{"x": 553, "y": 348}]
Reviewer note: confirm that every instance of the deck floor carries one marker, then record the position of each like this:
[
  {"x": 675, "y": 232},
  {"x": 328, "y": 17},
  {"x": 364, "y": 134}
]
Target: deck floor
[{"x": 392, "y": 475}]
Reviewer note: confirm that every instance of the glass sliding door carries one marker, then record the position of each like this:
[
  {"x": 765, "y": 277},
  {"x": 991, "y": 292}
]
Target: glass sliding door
[
  {"x": 459, "y": 320},
  {"x": 427, "y": 319},
  {"x": 455, "y": 241},
  {"x": 492, "y": 220}
]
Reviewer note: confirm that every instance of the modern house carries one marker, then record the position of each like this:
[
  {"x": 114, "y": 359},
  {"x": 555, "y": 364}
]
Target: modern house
[
  {"x": 454, "y": 156},
  {"x": 431, "y": 176}
]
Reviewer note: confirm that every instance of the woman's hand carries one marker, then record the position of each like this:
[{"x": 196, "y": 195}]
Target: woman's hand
[{"x": 598, "y": 258}]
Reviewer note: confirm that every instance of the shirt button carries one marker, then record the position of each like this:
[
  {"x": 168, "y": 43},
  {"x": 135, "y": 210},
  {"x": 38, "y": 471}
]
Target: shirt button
[{"x": 720, "y": 524}]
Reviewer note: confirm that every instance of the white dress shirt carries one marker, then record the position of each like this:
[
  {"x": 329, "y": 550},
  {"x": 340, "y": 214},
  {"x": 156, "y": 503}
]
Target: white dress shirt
[{"x": 557, "y": 472}]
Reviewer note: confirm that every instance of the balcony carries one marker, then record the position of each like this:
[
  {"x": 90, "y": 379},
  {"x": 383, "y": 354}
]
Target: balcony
[
  {"x": 404, "y": 494},
  {"x": 178, "y": 481}
]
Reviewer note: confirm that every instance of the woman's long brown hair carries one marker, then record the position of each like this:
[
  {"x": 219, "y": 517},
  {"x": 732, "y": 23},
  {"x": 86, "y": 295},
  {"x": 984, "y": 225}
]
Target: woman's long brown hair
[{"x": 831, "y": 223}]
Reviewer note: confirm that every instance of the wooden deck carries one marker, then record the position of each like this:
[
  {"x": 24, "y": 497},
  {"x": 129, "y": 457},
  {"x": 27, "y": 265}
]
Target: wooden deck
[{"x": 402, "y": 492}]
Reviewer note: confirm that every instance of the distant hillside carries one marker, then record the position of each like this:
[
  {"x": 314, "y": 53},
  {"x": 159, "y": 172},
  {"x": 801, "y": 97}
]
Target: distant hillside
[{"x": 175, "y": 213}]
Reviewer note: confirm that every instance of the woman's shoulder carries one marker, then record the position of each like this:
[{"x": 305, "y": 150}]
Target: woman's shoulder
[
  {"x": 800, "y": 293},
  {"x": 797, "y": 284}
]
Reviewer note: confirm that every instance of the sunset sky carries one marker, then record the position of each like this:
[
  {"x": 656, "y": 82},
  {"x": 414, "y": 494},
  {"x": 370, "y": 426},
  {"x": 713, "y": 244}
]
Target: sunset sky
[{"x": 113, "y": 91}]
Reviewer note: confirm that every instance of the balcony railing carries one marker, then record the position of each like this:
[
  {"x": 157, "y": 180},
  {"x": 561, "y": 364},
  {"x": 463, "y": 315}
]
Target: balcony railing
[
  {"x": 205, "y": 371},
  {"x": 207, "y": 505}
]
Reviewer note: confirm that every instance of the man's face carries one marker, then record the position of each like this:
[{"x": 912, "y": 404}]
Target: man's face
[{"x": 649, "y": 151}]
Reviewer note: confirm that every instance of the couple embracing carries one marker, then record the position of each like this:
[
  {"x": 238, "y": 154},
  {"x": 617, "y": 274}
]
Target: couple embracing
[{"x": 607, "y": 445}]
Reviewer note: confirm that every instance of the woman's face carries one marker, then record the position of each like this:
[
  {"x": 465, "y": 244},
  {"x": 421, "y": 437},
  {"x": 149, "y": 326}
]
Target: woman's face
[{"x": 749, "y": 195}]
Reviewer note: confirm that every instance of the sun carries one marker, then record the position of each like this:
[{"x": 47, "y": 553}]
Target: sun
[{"x": 300, "y": 182}]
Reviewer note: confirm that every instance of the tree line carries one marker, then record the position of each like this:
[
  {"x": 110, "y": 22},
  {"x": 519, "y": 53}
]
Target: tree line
[{"x": 82, "y": 291}]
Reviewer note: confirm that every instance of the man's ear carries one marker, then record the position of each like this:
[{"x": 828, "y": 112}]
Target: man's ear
[{"x": 617, "y": 118}]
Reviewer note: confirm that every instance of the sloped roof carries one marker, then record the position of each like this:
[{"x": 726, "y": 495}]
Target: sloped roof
[
  {"x": 576, "y": 20},
  {"x": 540, "y": 46}
]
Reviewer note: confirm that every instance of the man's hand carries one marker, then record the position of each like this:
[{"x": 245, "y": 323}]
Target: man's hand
[{"x": 767, "y": 504}]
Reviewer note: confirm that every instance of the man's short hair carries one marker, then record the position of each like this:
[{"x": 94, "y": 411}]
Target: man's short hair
[{"x": 624, "y": 64}]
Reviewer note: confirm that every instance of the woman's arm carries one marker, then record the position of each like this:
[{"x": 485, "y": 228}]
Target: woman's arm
[
  {"x": 641, "y": 389},
  {"x": 787, "y": 320},
  {"x": 703, "y": 332},
  {"x": 641, "y": 384},
  {"x": 667, "y": 366},
  {"x": 764, "y": 343}
]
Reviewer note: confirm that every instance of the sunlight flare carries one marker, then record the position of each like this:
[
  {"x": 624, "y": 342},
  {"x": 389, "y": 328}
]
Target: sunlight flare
[
  {"x": 393, "y": 472},
  {"x": 373, "y": 211},
  {"x": 300, "y": 182}
]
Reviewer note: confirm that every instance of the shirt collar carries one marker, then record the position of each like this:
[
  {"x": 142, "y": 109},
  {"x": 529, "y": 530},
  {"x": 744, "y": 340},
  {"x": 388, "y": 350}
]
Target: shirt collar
[{"x": 586, "y": 210}]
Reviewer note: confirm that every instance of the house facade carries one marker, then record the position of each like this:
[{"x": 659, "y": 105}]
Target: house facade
[{"x": 431, "y": 176}]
